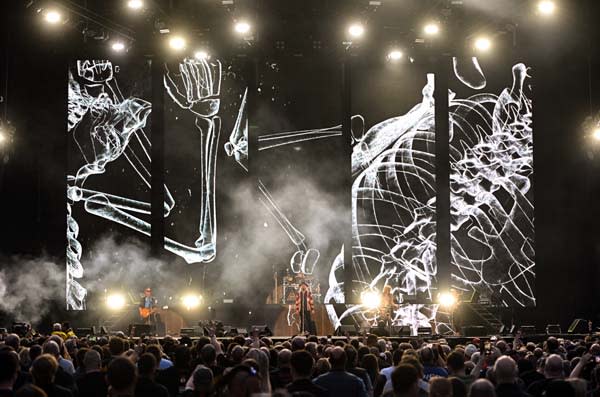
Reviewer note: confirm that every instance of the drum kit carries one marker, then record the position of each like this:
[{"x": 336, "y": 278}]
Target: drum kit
[{"x": 291, "y": 284}]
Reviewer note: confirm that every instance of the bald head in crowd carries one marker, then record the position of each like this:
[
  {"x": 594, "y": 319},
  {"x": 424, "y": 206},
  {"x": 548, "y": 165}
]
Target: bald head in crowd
[
  {"x": 482, "y": 388},
  {"x": 505, "y": 370},
  {"x": 554, "y": 367},
  {"x": 338, "y": 358}
]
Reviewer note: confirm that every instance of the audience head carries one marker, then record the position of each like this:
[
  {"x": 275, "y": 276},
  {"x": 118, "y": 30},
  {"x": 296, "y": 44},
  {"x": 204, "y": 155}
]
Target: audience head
[
  {"x": 44, "y": 369},
  {"x": 147, "y": 365},
  {"x": 505, "y": 370},
  {"x": 440, "y": 387},
  {"x": 405, "y": 380},
  {"x": 482, "y": 388},
  {"x": 121, "y": 375},
  {"x": 338, "y": 358},
  {"x": 301, "y": 363},
  {"x": 92, "y": 361},
  {"x": 30, "y": 391},
  {"x": 553, "y": 367},
  {"x": 9, "y": 367}
]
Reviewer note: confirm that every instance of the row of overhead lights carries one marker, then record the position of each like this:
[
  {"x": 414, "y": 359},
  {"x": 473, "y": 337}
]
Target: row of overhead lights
[{"x": 356, "y": 31}]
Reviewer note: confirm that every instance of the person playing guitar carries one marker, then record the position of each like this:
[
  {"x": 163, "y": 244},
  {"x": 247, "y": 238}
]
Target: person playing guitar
[{"x": 148, "y": 308}]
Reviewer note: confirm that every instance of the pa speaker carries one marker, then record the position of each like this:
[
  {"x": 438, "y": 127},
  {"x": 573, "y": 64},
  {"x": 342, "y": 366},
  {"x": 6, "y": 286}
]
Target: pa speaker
[
  {"x": 578, "y": 326},
  {"x": 527, "y": 330}
]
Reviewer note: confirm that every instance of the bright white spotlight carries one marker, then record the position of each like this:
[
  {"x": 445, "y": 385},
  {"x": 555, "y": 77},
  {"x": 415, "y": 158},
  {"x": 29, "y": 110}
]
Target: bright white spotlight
[
  {"x": 447, "y": 299},
  {"x": 118, "y": 46},
  {"x": 2, "y": 138},
  {"x": 596, "y": 134},
  {"x": 431, "y": 29},
  {"x": 483, "y": 44},
  {"x": 52, "y": 17},
  {"x": 546, "y": 7},
  {"x": 356, "y": 30},
  {"x": 177, "y": 43},
  {"x": 201, "y": 55},
  {"x": 371, "y": 299},
  {"x": 115, "y": 301},
  {"x": 242, "y": 27},
  {"x": 191, "y": 301},
  {"x": 395, "y": 55},
  {"x": 135, "y": 4}
]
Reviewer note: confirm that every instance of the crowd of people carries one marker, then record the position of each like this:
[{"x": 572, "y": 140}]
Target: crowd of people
[{"x": 63, "y": 365}]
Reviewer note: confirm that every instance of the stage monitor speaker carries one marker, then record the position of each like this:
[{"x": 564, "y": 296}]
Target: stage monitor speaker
[
  {"x": 343, "y": 329},
  {"x": 103, "y": 330},
  {"x": 553, "y": 329},
  {"x": 578, "y": 326},
  {"x": 138, "y": 330},
  {"x": 424, "y": 331},
  {"x": 401, "y": 330},
  {"x": 83, "y": 332},
  {"x": 473, "y": 330},
  {"x": 527, "y": 330},
  {"x": 187, "y": 332},
  {"x": 263, "y": 330}
]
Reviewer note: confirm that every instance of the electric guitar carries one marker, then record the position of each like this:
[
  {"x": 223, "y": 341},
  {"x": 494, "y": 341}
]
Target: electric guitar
[{"x": 145, "y": 312}]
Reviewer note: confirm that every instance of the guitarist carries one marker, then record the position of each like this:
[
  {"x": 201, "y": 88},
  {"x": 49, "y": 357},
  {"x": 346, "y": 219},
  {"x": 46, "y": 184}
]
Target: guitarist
[{"x": 148, "y": 306}]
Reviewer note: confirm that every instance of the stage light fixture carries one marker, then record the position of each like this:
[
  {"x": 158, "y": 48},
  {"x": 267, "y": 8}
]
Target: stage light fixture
[
  {"x": 191, "y": 301},
  {"x": 118, "y": 46},
  {"x": 135, "y": 4},
  {"x": 115, "y": 301},
  {"x": 546, "y": 7},
  {"x": 596, "y": 134},
  {"x": 177, "y": 43},
  {"x": 3, "y": 138},
  {"x": 356, "y": 30},
  {"x": 447, "y": 299},
  {"x": 201, "y": 55},
  {"x": 482, "y": 44},
  {"x": 395, "y": 55},
  {"x": 242, "y": 27},
  {"x": 431, "y": 29},
  {"x": 53, "y": 17},
  {"x": 370, "y": 299}
]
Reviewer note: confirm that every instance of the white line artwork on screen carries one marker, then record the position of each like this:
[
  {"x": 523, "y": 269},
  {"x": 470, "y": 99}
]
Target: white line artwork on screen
[
  {"x": 491, "y": 166},
  {"x": 116, "y": 129},
  {"x": 304, "y": 259},
  {"x": 237, "y": 146},
  {"x": 491, "y": 157},
  {"x": 196, "y": 87}
]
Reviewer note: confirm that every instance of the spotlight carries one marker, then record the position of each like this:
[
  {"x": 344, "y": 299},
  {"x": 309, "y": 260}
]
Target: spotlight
[
  {"x": 395, "y": 55},
  {"x": 546, "y": 7},
  {"x": 118, "y": 46},
  {"x": 483, "y": 44},
  {"x": 115, "y": 301},
  {"x": 356, "y": 30},
  {"x": 201, "y": 55},
  {"x": 242, "y": 27},
  {"x": 447, "y": 299},
  {"x": 177, "y": 43},
  {"x": 52, "y": 17},
  {"x": 596, "y": 134},
  {"x": 431, "y": 29},
  {"x": 3, "y": 138},
  {"x": 191, "y": 301},
  {"x": 135, "y": 4},
  {"x": 371, "y": 299}
]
